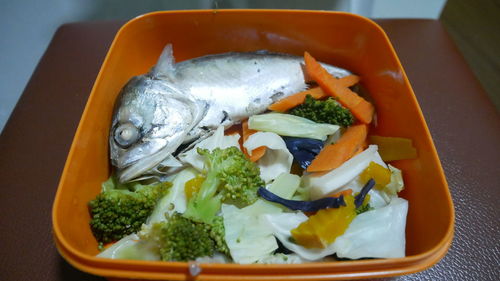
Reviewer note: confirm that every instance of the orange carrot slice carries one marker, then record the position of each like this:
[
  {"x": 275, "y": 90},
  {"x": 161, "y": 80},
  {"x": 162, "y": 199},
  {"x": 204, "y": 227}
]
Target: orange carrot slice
[
  {"x": 343, "y": 192},
  {"x": 296, "y": 99},
  {"x": 359, "y": 107},
  {"x": 334, "y": 155},
  {"x": 256, "y": 153},
  {"x": 349, "y": 80},
  {"x": 317, "y": 93}
]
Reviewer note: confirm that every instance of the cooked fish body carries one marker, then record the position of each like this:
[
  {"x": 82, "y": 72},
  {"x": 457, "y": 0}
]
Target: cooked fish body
[{"x": 175, "y": 104}]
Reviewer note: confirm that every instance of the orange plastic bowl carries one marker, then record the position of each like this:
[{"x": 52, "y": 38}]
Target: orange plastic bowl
[{"x": 341, "y": 39}]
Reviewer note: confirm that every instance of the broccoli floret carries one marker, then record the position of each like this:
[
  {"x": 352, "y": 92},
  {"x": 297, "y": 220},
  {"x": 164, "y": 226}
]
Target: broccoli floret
[
  {"x": 231, "y": 178},
  {"x": 183, "y": 239},
  {"x": 363, "y": 208},
  {"x": 217, "y": 233},
  {"x": 324, "y": 111},
  {"x": 199, "y": 232},
  {"x": 120, "y": 210}
]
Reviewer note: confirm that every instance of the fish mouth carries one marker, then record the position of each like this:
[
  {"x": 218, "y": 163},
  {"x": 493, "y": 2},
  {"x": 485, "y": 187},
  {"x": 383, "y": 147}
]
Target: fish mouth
[{"x": 141, "y": 166}]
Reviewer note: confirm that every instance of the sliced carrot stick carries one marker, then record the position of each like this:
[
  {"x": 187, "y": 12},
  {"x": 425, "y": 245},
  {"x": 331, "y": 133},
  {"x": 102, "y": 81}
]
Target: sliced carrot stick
[
  {"x": 358, "y": 151},
  {"x": 317, "y": 93},
  {"x": 361, "y": 148},
  {"x": 296, "y": 99},
  {"x": 343, "y": 192},
  {"x": 349, "y": 80},
  {"x": 334, "y": 155},
  {"x": 359, "y": 107},
  {"x": 256, "y": 153}
]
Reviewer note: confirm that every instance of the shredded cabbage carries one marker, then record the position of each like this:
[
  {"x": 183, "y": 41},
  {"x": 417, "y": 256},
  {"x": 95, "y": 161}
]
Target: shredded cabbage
[
  {"x": 281, "y": 258},
  {"x": 322, "y": 184},
  {"x": 379, "y": 233},
  {"x": 247, "y": 237},
  {"x": 175, "y": 200},
  {"x": 291, "y": 126},
  {"x": 276, "y": 160},
  {"x": 218, "y": 139},
  {"x": 285, "y": 185},
  {"x": 131, "y": 247},
  {"x": 283, "y": 223}
]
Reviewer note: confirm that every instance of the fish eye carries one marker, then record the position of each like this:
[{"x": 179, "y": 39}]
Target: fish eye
[{"x": 126, "y": 134}]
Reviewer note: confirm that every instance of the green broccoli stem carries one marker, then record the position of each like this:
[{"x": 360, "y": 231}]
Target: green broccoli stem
[{"x": 204, "y": 205}]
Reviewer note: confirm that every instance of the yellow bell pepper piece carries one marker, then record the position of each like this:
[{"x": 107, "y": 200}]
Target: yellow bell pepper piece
[
  {"x": 322, "y": 228},
  {"x": 381, "y": 175},
  {"x": 391, "y": 148},
  {"x": 192, "y": 186}
]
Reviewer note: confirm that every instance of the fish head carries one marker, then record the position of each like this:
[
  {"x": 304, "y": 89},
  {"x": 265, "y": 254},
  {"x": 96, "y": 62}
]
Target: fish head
[{"x": 150, "y": 121}]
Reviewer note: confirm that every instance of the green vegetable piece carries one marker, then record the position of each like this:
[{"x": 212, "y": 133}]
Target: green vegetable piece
[
  {"x": 120, "y": 210},
  {"x": 183, "y": 239},
  {"x": 231, "y": 178},
  {"x": 324, "y": 111},
  {"x": 291, "y": 126},
  {"x": 363, "y": 208}
]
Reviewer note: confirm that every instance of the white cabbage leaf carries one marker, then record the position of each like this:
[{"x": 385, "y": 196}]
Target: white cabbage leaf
[
  {"x": 281, "y": 258},
  {"x": 283, "y": 223},
  {"x": 175, "y": 199},
  {"x": 276, "y": 160},
  {"x": 378, "y": 233},
  {"x": 322, "y": 184},
  {"x": 291, "y": 125},
  {"x": 285, "y": 185},
  {"x": 248, "y": 238},
  {"x": 217, "y": 140},
  {"x": 131, "y": 247}
]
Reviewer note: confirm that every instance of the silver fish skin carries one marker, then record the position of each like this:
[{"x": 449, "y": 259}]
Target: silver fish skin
[{"x": 177, "y": 103}]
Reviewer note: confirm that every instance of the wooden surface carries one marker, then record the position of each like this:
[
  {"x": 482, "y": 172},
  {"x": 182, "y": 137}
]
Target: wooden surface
[
  {"x": 474, "y": 26},
  {"x": 35, "y": 142}
]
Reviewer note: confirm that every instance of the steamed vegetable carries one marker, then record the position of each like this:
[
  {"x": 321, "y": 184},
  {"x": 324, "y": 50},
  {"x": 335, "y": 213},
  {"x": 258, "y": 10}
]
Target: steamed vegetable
[
  {"x": 324, "y": 111},
  {"x": 285, "y": 185},
  {"x": 121, "y": 209},
  {"x": 360, "y": 198},
  {"x": 322, "y": 228},
  {"x": 305, "y": 206},
  {"x": 292, "y": 101},
  {"x": 281, "y": 258},
  {"x": 304, "y": 150},
  {"x": 379, "y": 173},
  {"x": 183, "y": 239},
  {"x": 175, "y": 200},
  {"x": 349, "y": 80},
  {"x": 217, "y": 140},
  {"x": 359, "y": 107},
  {"x": 290, "y": 125},
  {"x": 396, "y": 184},
  {"x": 276, "y": 160},
  {"x": 281, "y": 225},
  {"x": 323, "y": 184},
  {"x": 192, "y": 186},
  {"x": 334, "y": 155},
  {"x": 248, "y": 238},
  {"x": 379, "y": 233},
  {"x": 231, "y": 177},
  {"x": 392, "y": 148},
  {"x": 257, "y": 152},
  {"x": 131, "y": 247}
]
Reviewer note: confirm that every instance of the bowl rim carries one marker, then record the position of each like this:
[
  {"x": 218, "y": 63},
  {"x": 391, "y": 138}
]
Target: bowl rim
[{"x": 123, "y": 268}]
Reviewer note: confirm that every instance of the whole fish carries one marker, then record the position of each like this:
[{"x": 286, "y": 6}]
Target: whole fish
[{"x": 178, "y": 103}]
